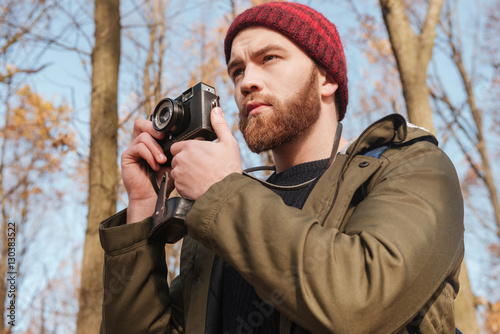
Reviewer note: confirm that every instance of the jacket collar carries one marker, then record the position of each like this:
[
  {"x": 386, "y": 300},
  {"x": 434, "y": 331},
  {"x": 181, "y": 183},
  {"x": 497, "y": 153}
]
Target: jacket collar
[{"x": 389, "y": 130}]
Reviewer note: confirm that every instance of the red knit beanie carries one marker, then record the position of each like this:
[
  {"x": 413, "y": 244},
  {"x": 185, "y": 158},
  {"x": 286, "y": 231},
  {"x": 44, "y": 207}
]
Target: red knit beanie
[{"x": 307, "y": 28}]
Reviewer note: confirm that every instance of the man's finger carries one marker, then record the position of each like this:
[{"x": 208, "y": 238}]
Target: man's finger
[
  {"x": 152, "y": 145},
  {"x": 144, "y": 125},
  {"x": 220, "y": 125}
]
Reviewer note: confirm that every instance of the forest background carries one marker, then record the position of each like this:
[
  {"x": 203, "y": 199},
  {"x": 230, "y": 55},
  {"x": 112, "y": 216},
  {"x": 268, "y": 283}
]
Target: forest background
[{"x": 74, "y": 75}]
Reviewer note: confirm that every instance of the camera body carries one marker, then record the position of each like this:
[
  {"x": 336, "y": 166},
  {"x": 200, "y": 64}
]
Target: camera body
[{"x": 185, "y": 117}]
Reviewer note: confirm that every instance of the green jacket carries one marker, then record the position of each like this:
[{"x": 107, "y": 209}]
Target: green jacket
[{"x": 376, "y": 248}]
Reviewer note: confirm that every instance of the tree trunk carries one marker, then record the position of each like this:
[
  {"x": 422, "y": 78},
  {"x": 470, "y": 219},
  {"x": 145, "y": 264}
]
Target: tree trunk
[
  {"x": 465, "y": 311},
  {"x": 103, "y": 169},
  {"x": 413, "y": 53},
  {"x": 154, "y": 66}
]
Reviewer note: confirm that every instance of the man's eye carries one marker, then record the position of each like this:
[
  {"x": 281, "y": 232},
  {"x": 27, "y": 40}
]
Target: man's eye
[
  {"x": 269, "y": 57},
  {"x": 237, "y": 72}
]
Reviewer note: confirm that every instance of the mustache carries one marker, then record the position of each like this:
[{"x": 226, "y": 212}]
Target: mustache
[{"x": 265, "y": 98}]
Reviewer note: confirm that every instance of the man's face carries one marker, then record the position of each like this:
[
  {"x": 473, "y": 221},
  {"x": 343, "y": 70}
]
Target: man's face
[{"x": 276, "y": 88}]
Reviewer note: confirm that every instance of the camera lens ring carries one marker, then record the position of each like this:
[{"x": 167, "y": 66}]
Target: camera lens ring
[{"x": 167, "y": 116}]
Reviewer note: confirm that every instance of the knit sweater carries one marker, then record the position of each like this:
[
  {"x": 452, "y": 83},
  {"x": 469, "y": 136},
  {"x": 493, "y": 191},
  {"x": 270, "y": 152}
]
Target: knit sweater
[{"x": 243, "y": 311}]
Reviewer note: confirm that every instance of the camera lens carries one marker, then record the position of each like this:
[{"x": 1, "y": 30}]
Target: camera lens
[
  {"x": 164, "y": 116},
  {"x": 168, "y": 116}
]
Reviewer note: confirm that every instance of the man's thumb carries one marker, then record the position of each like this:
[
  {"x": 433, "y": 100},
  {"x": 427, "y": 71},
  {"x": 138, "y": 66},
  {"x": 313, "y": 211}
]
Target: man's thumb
[{"x": 220, "y": 125}]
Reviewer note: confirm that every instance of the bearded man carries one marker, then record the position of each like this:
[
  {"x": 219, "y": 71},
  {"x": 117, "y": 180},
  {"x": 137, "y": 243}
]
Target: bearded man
[{"x": 364, "y": 237}]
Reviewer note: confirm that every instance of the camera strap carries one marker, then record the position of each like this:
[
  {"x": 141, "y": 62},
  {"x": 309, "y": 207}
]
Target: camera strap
[
  {"x": 154, "y": 182},
  {"x": 169, "y": 217},
  {"x": 333, "y": 155},
  {"x": 336, "y": 143}
]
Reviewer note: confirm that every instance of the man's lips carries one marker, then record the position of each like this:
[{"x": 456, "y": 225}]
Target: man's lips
[{"x": 255, "y": 107}]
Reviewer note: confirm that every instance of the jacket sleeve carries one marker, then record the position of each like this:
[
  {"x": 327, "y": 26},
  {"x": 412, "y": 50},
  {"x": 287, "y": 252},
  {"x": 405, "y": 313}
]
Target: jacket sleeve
[
  {"x": 396, "y": 250},
  {"x": 137, "y": 297}
]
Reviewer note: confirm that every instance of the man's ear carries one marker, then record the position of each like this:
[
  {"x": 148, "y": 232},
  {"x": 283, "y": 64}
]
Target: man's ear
[{"x": 328, "y": 86}]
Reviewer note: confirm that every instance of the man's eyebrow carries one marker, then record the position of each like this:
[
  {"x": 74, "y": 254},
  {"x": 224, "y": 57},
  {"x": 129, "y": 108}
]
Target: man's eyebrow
[
  {"x": 234, "y": 63},
  {"x": 266, "y": 49},
  {"x": 269, "y": 48}
]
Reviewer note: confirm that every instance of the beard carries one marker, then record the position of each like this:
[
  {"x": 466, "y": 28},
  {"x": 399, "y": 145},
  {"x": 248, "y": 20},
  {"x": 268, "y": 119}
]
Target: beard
[{"x": 286, "y": 122}]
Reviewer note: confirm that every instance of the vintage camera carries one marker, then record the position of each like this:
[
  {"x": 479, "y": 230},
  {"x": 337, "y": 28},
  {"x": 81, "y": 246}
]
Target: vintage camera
[{"x": 185, "y": 117}]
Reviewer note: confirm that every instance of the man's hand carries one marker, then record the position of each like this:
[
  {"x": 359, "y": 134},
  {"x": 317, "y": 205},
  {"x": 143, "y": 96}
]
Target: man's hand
[
  {"x": 143, "y": 151},
  {"x": 197, "y": 164}
]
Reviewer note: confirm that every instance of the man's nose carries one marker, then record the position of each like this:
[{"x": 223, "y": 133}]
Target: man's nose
[{"x": 252, "y": 80}]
